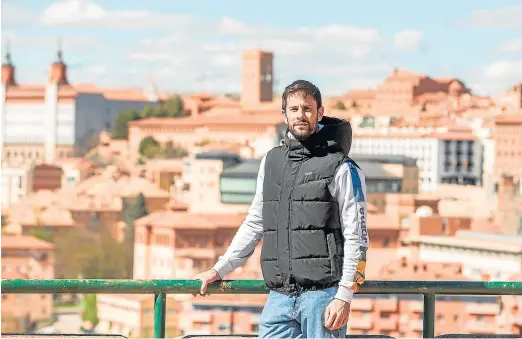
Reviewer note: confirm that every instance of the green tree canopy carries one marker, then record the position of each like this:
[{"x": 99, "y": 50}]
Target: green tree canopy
[
  {"x": 149, "y": 147},
  {"x": 148, "y": 111},
  {"x": 121, "y": 123},
  {"x": 172, "y": 152},
  {"x": 172, "y": 108},
  {"x": 91, "y": 252},
  {"x": 340, "y": 105},
  {"x": 134, "y": 209}
]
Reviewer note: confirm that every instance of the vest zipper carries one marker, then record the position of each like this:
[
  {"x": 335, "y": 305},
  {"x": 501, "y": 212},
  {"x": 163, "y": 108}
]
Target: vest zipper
[{"x": 290, "y": 218}]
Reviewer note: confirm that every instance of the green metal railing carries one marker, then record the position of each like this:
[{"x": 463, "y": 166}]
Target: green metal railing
[{"x": 160, "y": 288}]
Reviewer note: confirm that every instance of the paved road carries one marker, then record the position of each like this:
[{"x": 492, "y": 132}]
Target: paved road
[{"x": 68, "y": 322}]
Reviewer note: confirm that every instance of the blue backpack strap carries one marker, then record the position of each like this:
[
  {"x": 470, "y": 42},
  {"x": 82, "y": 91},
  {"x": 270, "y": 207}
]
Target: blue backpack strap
[{"x": 356, "y": 181}]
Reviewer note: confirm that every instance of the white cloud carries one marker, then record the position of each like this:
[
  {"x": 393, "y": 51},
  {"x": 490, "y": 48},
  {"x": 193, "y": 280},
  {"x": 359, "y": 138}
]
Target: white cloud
[
  {"x": 20, "y": 43},
  {"x": 513, "y": 46},
  {"x": 506, "y": 18},
  {"x": 326, "y": 53},
  {"x": 13, "y": 15},
  {"x": 196, "y": 55},
  {"x": 408, "y": 40},
  {"x": 97, "y": 69},
  {"x": 498, "y": 77},
  {"x": 86, "y": 13},
  {"x": 230, "y": 26}
]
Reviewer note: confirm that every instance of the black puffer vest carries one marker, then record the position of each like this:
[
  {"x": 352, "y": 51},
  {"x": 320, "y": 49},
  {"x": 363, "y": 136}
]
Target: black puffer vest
[{"x": 303, "y": 241}]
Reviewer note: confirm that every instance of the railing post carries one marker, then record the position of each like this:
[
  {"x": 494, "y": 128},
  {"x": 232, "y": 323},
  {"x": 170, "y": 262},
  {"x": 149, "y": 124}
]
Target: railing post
[
  {"x": 160, "y": 301},
  {"x": 428, "y": 322}
]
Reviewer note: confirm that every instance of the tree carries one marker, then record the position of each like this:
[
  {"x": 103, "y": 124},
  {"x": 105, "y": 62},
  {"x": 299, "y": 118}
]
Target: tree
[
  {"x": 172, "y": 152},
  {"x": 173, "y": 107},
  {"x": 121, "y": 123},
  {"x": 149, "y": 147},
  {"x": 148, "y": 111},
  {"x": 42, "y": 234},
  {"x": 133, "y": 209},
  {"x": 340, "y": 105},
  {"x": 90, "y": 310},
  {"x": 90, "y": 251}
]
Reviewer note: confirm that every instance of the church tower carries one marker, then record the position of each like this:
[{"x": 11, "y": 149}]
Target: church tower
[{"x": 257, "y": 77}]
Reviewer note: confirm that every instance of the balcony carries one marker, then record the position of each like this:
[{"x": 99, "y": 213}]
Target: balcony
[{"x": 160, "y": 288}]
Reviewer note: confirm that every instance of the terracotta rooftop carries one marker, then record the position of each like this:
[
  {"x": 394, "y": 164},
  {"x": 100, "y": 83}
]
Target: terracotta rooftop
[
  {"x": 360, "y": 94},
  {"x": 24, "y": 242},
  {"x": 515, "y": 119},
  {"x": 188, "y": 220},
  {"x": 71, "y": 91},
  {"x": 409, "y": 269},
  {"x": 202, "y": 120},
  {"x": 464, "y": 239}
]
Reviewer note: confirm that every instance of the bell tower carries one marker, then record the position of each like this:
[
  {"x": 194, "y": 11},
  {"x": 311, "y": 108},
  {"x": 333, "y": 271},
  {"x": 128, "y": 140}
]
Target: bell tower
[
  {"x": 257, "y": 77},
  {"x": 8, "y": 69},
  {"x": 58, "y": 75}
]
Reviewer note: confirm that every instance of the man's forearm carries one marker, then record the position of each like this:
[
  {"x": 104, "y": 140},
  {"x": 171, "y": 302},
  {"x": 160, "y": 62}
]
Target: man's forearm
[
  {"x": 354, "y": 266},
  {"x": 349, "y": 187},
  {"x": 249, "y": 233},
  {"x": 241, "y": 247}
]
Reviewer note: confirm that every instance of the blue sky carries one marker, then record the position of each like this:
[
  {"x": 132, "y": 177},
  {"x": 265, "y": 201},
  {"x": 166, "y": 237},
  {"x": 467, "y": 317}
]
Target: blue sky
[{"x": 196, "y": 45}]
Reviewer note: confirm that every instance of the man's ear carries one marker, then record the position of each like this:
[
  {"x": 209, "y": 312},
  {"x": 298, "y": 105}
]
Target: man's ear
[
  {"x": 284, "y": 117},
  {"x": 320, "y": 113}
]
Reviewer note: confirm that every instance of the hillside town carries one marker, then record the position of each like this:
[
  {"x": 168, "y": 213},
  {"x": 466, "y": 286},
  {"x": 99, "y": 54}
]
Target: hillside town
[{"x": 140, "y": 183}]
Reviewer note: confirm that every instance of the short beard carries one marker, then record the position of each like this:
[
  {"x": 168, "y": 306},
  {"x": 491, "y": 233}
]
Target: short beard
[{"x": 301, "y": 135}]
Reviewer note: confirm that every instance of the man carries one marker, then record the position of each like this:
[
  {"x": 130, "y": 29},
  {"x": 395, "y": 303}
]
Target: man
[{"x": 310, "y": 210}]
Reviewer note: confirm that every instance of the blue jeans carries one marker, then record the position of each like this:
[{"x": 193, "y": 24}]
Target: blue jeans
[{"x": 300, "y": 316}]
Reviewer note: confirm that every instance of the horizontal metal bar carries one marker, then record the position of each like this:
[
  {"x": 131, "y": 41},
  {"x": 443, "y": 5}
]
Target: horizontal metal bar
[{"x": 111, "y": 286}]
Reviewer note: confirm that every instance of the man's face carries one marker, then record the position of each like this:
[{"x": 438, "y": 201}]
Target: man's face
[{"x": 302, "y": 115}]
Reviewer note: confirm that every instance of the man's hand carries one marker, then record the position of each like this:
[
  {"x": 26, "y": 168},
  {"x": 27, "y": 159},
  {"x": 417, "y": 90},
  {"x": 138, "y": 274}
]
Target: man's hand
[
  {"x": 206, "y": 278},
  {"x": 336, "y": 314}
]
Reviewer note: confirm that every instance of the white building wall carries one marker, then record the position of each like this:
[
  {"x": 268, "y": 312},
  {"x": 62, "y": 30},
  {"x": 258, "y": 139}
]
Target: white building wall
[
  {"x": 2, "y": 117},
  {"x": 500, "y": 266},
  {"x": 53, "y": 123},
  {"x": 429, "y": 152},
  {"x": 162, "y": 262},
  {"x": 17, "y": 182},
  {"x": 423, "y": 149},
  {"x": 140, "y": 252},
  {"x": 50, "y": 123}
]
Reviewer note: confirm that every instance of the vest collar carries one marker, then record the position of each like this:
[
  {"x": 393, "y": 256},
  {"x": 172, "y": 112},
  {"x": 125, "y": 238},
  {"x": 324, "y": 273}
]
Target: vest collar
[{"x": 300, "y": 149}]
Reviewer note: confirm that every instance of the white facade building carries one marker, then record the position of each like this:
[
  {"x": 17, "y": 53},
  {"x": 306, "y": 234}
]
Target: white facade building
[
  {"x": 39, "y": 120},
  {"x": 17, "y": 182},
  {"x": 442, "y": 156},
  {"x": 499, "y": 256}
]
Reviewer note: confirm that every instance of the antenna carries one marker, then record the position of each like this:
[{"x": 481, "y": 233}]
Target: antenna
[
  {"x": 59, "y": 54},
  {"x": 7, "y": 57}
]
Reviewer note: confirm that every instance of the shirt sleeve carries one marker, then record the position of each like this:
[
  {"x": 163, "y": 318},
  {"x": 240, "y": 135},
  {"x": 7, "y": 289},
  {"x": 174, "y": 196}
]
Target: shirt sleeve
[
  {"x": 349, "y": 189},
  {"x": 249, "y": 233}
]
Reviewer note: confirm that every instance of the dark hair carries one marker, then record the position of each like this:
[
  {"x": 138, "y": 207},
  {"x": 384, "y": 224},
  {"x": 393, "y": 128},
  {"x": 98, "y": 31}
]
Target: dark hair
[{"x": 305, "y": 87}]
